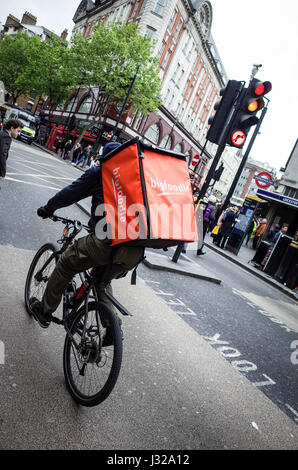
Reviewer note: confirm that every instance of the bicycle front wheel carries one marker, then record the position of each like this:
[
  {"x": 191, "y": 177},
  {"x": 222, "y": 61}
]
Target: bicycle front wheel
[
  {"x": 92, "y": 364},
  {"x": 39, "y": 273}
]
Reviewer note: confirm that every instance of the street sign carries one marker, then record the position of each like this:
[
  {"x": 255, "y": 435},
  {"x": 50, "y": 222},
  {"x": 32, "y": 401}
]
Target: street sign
[
  {"x": 195, "y": 160},
  {"x": 238, "y": 138},
  {"x": 263, "y": 179}
]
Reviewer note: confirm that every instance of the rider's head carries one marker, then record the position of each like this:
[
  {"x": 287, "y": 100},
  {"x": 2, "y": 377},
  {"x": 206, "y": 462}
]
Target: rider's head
[{"x": 109, "y": 147}]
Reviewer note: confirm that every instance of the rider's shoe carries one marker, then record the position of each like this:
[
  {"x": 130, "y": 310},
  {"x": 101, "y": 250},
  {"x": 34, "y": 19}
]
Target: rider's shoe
[{"x": 37, "y": 312}]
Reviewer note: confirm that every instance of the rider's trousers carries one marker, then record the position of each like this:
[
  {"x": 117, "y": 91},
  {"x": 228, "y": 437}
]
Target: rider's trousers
[{"x": 86, "y": 253}]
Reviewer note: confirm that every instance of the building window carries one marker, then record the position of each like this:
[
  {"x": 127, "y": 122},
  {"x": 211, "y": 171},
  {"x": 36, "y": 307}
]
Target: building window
[
  {"x": 138, "y": 119},
  {"x": 172, "y": 21},
  {"x": 165, "y": 61},
  {"x": 150, "y": 32},
  {"x": 153, "y": 133},
  {"x": 178, "y": 29},
  {"x": 72, "y": 105},
  {"x": 178, "y": 148},
  {"x": 166, "y": 142},
  {"x": 86, "y": 105},
  {"x": 159, "y": 7}
]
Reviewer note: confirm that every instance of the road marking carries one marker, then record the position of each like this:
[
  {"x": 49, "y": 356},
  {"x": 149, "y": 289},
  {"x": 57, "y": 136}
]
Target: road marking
[
  {"x": 39, "y": 176},
  {"x": 34, "y": 184},
  {"x": 293, "y": 411},
  {"x": 285, "y": 314}
]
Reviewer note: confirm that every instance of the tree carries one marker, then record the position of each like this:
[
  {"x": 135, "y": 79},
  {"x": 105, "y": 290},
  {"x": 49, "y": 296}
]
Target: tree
[
  {"x": 16, "y": 56},
  {"x": 53, "y": 73},
  {"x": 109, "y": 60}
]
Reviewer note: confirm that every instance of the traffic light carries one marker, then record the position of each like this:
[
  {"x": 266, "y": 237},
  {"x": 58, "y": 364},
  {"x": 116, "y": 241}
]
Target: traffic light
[
  {"x": 251, "y": 101},
  {"x": 223, "y": 109},
  {"x": 217, "y": 174}
]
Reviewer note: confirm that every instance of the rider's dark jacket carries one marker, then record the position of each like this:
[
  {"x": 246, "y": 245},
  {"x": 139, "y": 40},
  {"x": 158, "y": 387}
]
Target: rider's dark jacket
[{"x": 89, "y": 184}]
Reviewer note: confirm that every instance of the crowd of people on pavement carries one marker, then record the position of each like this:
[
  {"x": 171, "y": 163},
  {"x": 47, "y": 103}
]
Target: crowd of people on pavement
[
  {"x": 220, "y": 223},
  {"x": 80, "y": 155}
]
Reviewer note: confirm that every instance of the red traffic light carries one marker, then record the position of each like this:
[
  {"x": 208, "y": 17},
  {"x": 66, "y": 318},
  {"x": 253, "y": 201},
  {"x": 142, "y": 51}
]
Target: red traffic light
[{"x": 261, "y": 88}]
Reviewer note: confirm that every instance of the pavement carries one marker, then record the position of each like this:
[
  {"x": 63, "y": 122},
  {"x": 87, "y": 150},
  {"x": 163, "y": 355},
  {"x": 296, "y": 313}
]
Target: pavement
[{"x": 162, "y": 260}]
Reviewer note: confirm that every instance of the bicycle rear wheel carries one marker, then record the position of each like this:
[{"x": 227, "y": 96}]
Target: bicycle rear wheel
[
  {"x": 91, "y": 369},
  {"x": 39, "y": 273}
]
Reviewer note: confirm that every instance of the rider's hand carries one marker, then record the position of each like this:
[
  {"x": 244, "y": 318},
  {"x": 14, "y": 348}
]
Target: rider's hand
[{"x": 44, "y": 213}]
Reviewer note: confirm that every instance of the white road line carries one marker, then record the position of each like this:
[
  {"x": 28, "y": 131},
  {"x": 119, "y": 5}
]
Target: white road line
[
  {"x": 34, "y": 184},
  {"x": 293, "y": 411}
]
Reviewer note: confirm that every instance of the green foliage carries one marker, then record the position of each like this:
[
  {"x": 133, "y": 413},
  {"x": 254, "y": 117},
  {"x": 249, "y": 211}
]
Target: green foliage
[
  {"x": 108, "y": 59},
  {"x": 16, "y": 56}
]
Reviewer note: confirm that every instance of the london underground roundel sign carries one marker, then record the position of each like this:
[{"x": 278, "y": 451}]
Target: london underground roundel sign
[
  {"x": 264, "y": 179},
  {"x": 238, "y": 138}
]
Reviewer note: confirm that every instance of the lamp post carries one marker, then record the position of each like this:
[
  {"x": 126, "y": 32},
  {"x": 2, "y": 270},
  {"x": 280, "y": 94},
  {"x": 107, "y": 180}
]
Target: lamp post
[{"x": 125, "y": 101}]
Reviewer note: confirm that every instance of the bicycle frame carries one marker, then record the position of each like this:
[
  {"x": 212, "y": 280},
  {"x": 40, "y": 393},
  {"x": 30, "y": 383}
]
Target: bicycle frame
[{"x": 90, "y": 282}]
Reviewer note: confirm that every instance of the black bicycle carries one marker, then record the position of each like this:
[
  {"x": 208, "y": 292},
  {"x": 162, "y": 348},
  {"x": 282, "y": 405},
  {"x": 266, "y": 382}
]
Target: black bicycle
[{"x": 93, "y": 345}]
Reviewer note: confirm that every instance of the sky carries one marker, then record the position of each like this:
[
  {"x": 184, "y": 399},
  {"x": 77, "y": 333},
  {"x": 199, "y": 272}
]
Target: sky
[{"x": 246, "y": 32}]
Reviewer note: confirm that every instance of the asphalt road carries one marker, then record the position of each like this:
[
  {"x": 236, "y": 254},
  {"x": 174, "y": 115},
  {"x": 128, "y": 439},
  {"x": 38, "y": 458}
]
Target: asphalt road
[
  {"x": 179, "y": 387},
  {"x": 251, "y": 324}
]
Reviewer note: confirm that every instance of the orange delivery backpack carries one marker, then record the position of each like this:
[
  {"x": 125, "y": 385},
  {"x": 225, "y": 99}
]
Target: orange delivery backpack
[{"x": 148, "y": 197}]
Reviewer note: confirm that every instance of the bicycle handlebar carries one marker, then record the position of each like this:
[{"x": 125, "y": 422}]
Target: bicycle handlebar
[{"x": 76, "y": 223}]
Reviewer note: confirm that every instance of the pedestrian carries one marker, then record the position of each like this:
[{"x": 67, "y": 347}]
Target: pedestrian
[
  {"x": 208, "y": 217},
  {"x": 251, "y": 230},
  {"x": 283, "y": 230},
  {"x": 226, "y": 228},
  {"x": 219, "y": 224},
  {"x": 85, "y": 156},
  {"x": 67, "y": 149},
  {"x": 272, "y": 232},
  {"x": 260, "y": 230},
  {"x": 11, "y": 129},
  {"x": 77, "y": 152},
  {"x": 94, "y": 161},
  {"x": 58, "y": 144}
]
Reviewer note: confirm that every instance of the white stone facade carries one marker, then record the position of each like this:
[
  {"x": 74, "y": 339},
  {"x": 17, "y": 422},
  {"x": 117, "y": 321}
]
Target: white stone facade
[{"x": 191, "y": 71}]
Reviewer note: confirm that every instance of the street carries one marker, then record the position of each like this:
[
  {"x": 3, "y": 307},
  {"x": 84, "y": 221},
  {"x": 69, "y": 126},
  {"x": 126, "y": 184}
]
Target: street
[{"x": 205, "y": 366}]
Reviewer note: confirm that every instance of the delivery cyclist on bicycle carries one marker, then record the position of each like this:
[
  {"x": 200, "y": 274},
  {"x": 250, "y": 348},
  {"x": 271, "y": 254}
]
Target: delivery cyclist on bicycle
[{"x": 85, "y": 253}]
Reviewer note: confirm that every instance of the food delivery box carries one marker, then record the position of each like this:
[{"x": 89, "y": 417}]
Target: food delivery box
[{"x": 147, "y": 197}]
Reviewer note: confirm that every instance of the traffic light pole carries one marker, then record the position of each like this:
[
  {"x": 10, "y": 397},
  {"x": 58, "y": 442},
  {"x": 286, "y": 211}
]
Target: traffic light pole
[{"x": 244, "y": 160}]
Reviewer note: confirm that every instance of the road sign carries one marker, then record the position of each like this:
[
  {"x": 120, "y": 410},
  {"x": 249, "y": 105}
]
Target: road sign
[
  {"x": 263, "y": 179},
  {"x": 238, "y": 138},
  {"x": 195, "y": 160}
]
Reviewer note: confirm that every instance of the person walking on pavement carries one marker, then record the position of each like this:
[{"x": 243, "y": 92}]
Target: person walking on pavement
[
  {"x": 272, "y": 232},
  {"x": 12, "y": 129},
  {"x": 67, "y": 149},
  {"x": 251, "y": 230},
  {"x": 85, "y": 156},
  {"x": 58, "y": 144},
  {"x": 208, "y": 217},
  {"x": 226, "y": 228},
  {"x": 86, "y": 252},
  {"x": 77, "y": 152},
  {"x": 282, "y": 231},
  {"x": 260, "y": 230}
]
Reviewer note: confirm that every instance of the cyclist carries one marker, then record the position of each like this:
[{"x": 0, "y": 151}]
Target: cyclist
[{"x": 86, "y": 252}]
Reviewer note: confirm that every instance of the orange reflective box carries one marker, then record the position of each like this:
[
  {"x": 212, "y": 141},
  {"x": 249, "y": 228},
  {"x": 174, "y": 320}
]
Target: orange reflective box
[{"x": 147, "y": 197}]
